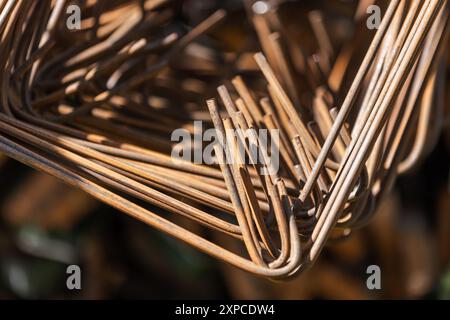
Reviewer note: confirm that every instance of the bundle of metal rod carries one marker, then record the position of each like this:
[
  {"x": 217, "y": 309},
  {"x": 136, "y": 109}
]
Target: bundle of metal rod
[{"x": 95, "y": 107}]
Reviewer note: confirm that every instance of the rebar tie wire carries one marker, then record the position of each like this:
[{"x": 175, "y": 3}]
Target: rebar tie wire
[{"x": 83, "y": 106}]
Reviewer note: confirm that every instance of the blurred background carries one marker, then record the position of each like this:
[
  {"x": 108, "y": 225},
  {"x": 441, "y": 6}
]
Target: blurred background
[{"x": 46, "y": 226}]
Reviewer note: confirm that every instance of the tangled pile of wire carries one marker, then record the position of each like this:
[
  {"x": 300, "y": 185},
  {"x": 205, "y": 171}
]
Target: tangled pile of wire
[{"x": 95, "y": 107}]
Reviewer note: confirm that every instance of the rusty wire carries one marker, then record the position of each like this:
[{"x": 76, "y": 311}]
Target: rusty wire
[{"x": 95, "y": 108}]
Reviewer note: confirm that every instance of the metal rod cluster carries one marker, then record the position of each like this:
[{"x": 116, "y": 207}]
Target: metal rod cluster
[{"x": 95, "y": 107}]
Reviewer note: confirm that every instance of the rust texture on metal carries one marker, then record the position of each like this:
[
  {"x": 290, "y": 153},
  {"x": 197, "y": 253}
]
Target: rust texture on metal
[{"x": 95, "y": 108}]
